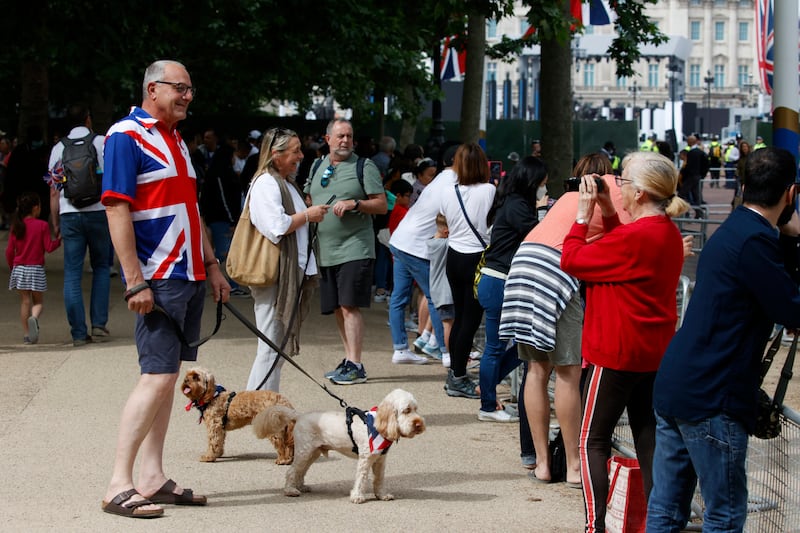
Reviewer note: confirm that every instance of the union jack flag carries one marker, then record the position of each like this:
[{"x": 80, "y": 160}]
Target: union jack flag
[
  {"x": 377, "y": 444},
  {"x": 593, "y": 12},
  {"x": 765, "y": 39},
  {"x": 149, "y": 167},
  {"x": 454, "y": 63}
]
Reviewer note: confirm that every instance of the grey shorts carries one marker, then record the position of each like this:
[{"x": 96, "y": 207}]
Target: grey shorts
[
  {"x": 568, "y": 338},
  {"x": 160, "y": 349},
  {"x": 447, "y": 312},
  {"x": 348, "y": 285}
]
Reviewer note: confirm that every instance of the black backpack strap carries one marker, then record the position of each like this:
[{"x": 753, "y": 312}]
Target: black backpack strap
[
  {"x": 314, "y": 169},
  {"x": 360, "y": 173}
]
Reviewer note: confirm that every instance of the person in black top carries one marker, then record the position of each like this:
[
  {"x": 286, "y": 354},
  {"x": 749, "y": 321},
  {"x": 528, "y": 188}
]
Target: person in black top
[{"x": 513, "y": 215}]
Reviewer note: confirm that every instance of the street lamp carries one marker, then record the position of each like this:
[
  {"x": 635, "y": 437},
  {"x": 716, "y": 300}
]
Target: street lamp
[
  {"x": 634, "y": 91},
  {"x": 708, "y": 80},
  {"x": 672, "y": 76}
]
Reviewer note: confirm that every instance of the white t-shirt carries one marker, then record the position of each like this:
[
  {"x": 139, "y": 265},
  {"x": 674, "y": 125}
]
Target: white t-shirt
[
  {"x": 419, "y": 224},
  {"x": 478, "y": 200},
  {"x": 269, "y": 217},
  {"x": 64, "y": 205}
]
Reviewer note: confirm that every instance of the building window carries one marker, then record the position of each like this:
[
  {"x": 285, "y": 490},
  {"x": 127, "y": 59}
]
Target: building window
[
  {"x": 742, "y": 76},
  {"x": 652, "y": 76},
  {"x": 694, "y": 30},
  {"x": 588, "y": 75},
  {"x": 694, "y": 75},
  {"x": 622, "y": 83},
  {"x": 744, "y": 31},
  {"x": 491, "y": 29},
  {"x": 719, "y": 76},
  {"x": 695, "y": 2},
  {"x": 719, "y": 31},
  {"x": 720, "y": 3}
]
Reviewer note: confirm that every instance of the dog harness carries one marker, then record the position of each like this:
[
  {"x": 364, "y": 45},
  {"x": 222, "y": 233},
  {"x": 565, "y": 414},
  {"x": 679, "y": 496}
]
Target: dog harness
[
  {"x": 377, "y": 443},
  {"x": 203, "y": 406}
]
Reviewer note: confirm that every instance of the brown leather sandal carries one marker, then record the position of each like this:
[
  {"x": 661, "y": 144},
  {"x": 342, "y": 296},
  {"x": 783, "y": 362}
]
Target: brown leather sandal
[
  {"x": 166, "y": 495},
  {"x": 132, "y": 509}
]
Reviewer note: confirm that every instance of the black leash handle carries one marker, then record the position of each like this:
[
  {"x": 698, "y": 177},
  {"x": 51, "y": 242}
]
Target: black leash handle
[{"x": 278, "y": 350}]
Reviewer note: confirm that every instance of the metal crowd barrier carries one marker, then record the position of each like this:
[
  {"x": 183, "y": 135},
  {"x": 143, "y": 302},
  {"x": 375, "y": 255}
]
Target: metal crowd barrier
[{"x": 773, "y": 477}]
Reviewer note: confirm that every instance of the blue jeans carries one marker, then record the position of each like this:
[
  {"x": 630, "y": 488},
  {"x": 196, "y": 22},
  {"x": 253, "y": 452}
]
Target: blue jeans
[
  {"x": 383, "y": 266},
  {"x": 497, "y": 361},
  {"x": 712, "y": 451},
  {"x": 221, "y": 235},
  {"x": 79, "y": 231},
  {"x": 407, "y": 269}
]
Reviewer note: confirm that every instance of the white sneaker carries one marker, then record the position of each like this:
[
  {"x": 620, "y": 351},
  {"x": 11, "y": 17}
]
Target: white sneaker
[
  {"x": 380, "y": 297},
  {"x": 446, "y": 359},
  {"x": 496, "y": 416},
  {"x": 406, "y": 357}
]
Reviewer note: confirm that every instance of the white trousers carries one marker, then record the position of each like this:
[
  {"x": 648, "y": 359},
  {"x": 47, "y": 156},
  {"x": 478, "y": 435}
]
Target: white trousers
[{"x": 264, "y": 307}]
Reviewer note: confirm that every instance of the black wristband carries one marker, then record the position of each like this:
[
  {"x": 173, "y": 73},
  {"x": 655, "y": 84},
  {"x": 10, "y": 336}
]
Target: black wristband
[{"x": 135, "y": 290}]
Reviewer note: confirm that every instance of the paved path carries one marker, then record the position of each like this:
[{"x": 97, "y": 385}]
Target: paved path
[{"x": 58, "y": 427}]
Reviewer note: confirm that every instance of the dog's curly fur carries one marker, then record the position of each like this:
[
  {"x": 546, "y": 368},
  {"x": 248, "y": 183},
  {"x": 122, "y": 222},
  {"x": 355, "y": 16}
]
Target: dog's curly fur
[
  {"x": 199, "y": 386},
  {"x": 316, "y": 433}
]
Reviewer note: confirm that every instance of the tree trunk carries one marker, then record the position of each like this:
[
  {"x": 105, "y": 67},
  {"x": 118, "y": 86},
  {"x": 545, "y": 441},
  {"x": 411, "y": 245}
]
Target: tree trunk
[
  {"x": 473, "y": 79},
  {"x": 33, "y": 102},
  {"x": 556, "y": 106}
]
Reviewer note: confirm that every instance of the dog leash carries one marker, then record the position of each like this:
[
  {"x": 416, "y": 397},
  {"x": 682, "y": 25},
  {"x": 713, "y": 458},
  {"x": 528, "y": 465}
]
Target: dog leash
[
  {"x": 249, "y": 325},
  {"x": 179, "y": 331}
]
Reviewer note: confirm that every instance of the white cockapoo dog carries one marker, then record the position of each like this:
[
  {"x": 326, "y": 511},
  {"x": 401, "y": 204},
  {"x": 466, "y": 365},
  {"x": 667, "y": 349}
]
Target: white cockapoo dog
[{"x": 366, "y": 436}]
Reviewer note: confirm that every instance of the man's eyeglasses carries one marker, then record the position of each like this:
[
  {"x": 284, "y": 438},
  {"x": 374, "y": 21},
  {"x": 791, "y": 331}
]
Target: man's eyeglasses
[
  {"x": 619, "y": 180},
  {"x": 180, "y": 87},
  {"x": 326, "y": 176}
]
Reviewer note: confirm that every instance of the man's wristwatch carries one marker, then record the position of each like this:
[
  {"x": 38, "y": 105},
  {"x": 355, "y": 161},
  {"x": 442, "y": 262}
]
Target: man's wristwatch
[
  {"x": 582, "y": 221},
  {"x": 355, "y": 206}
]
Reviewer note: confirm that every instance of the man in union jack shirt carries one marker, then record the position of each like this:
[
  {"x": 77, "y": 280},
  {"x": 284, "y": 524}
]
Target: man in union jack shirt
[{"x": 149, "y": 191}]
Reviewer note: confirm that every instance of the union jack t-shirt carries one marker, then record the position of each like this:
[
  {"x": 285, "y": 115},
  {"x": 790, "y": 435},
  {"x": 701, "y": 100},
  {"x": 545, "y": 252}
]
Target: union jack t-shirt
[{"x": 149, "y": 167}]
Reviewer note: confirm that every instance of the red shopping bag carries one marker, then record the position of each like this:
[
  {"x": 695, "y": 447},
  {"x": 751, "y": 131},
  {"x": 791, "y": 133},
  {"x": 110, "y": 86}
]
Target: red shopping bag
[{"x": 626, "y": 508}]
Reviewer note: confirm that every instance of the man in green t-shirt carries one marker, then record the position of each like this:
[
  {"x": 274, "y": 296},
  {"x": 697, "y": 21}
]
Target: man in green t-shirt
[{"x": 346, "y": 242}]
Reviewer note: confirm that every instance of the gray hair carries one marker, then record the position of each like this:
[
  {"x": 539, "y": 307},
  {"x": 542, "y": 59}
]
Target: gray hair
[
  {"x": 335, "y": 121},
  {"x": 387, "y": 144},
  {"x": 155, "y": 72}
]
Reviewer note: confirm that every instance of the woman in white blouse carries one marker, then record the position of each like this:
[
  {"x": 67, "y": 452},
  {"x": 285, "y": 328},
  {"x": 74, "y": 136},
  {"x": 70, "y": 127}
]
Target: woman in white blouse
[{"x": 278, "y": 211}]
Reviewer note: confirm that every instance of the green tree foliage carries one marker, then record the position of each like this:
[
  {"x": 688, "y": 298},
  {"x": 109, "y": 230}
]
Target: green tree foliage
[{"x": 241, "y": 53}]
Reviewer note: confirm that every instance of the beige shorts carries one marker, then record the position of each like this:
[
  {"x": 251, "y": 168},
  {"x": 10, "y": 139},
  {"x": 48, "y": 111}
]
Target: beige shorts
[{"x": 568, "y": 338}]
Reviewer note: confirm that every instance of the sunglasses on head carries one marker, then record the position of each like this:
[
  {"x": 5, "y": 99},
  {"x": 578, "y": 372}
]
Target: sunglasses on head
[{"x": 276, "y": 132}]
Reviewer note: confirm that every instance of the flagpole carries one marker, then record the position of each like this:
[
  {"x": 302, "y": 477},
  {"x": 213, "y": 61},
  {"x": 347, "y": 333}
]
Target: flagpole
[
  {"x": 785, "y": 128},
  {"x": 482, "y": 116}
]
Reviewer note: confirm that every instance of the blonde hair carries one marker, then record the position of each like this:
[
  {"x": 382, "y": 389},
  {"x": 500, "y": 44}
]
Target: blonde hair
[
  {"x": 441, "y": 222},
  {"x": 274, "y": 139},
  {"x": 657, "y": 176}
]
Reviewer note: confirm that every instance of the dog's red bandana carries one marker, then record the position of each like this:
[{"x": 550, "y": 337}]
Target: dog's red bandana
[
  {"x": 377, "y": 444},
  {"x": 203, "y": 406}
]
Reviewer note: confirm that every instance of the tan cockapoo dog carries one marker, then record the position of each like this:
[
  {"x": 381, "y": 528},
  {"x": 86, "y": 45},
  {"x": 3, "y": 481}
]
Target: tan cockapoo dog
[
  {"x": 316, "y": 433},
  {"x": 224, "y": 411}
]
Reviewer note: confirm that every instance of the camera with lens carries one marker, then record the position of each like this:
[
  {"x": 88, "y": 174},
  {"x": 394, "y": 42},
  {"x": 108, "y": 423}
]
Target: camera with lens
[{"x": 573, "y": 184}]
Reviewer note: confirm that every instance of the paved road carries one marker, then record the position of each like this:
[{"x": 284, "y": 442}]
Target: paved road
[{"x": 59, "y": 425}]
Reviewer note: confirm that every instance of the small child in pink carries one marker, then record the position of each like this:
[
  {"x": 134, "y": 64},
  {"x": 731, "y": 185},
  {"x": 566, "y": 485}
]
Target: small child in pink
[{"x": 27, "y": 243}]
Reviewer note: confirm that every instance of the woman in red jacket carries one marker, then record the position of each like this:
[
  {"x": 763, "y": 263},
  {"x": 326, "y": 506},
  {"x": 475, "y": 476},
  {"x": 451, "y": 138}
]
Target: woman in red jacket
[{"x": 631, "y": 277}]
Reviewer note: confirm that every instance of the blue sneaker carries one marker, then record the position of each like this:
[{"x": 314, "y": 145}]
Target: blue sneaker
[
  {"x": 350, "y": 374},
  {"x": 331, "y": 373},
  {"x": 419, "y": 344},
  {"x": 432, "y": 351}
]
